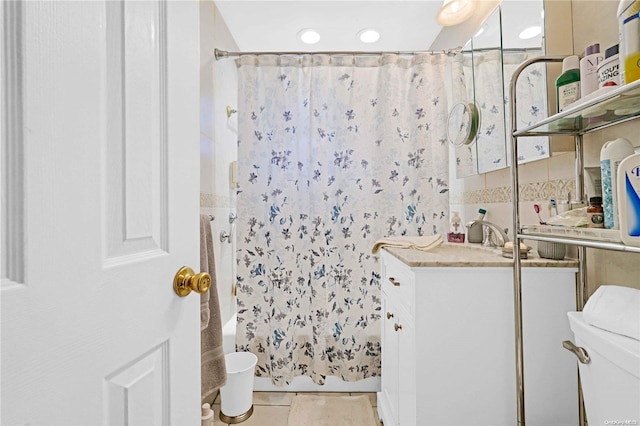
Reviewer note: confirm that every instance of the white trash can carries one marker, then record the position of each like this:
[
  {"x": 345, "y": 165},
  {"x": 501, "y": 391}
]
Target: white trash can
[{"x": 236, "y": 396}]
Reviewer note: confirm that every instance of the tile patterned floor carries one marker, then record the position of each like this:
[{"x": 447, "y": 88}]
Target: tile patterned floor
[{"x": 272, "y": 408}]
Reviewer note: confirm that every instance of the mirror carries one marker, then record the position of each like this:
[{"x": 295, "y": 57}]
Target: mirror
[
  {"x": 462, "y": 126},
  {"x": 488, "y": 62}
]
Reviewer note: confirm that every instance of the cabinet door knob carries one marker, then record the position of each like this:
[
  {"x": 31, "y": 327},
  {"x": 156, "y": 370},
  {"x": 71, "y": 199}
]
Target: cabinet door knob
[
  {"x": 389, "y": 315},
  {"x": 397, "y": 327},
  {"x": 393, "y": 281}
]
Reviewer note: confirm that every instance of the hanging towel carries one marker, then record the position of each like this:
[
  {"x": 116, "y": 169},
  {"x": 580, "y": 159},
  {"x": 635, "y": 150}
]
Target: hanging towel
[
  {"x": 207, "y": 264},
  {"x": 615, "y": 309},
  {"x": 424, "y": 243},
  {"x": 212, "y": 365}
]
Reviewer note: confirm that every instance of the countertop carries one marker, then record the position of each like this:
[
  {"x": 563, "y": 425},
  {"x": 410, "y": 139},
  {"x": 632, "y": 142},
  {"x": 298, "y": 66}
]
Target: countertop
[{"x": 470, "y": 256}]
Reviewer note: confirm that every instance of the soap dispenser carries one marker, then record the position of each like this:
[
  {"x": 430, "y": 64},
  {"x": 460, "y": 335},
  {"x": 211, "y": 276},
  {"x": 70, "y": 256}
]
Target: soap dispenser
[{"x": 455, "y": 235}]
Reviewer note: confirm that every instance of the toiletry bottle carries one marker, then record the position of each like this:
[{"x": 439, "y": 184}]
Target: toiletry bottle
[
  {"x": 629, "y": 39},
  {"x": 455, "y": 235},
  {"x": 568, "y": 83},
  {"x": 207, "y": 415},
  {"x": 629, "y": 199},
  {"x": 611, "y": 154},
  {"x": 475, "y": 232},
  {"x": 609, "y": 69},
  {"x": 589, "y": 69},
  {"x": 595, "y": 215}
]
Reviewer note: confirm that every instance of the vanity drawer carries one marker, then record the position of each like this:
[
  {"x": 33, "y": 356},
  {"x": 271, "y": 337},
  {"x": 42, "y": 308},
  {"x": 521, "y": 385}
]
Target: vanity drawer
[{"x": 398, "y": 283}]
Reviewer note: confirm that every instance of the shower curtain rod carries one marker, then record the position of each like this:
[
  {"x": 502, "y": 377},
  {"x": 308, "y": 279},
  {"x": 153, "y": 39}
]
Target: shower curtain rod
[{"x": 222, "y": 54}]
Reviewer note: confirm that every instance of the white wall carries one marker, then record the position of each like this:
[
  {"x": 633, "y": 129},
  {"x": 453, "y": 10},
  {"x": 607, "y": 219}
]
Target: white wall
[{"x": 218, "y": 143}]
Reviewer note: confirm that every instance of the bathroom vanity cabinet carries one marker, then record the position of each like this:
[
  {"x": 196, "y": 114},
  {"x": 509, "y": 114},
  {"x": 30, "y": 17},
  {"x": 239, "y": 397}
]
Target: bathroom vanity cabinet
[{"x": 448, "y": 339}]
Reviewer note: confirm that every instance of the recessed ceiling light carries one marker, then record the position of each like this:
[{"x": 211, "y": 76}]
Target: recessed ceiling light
[
  {"x": 309, "y": 36},
  {"x": 454, "y": 12},
  {"x": 530, "y": 32},
  {"x": 368, "y": 35}
]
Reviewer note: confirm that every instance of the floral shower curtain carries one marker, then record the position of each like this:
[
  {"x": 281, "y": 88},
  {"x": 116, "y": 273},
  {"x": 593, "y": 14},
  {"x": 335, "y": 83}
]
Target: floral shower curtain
[{"x": 334, "y": 153}]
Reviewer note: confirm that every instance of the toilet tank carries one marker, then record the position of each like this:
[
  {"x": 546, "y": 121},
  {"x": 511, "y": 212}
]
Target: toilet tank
[{"x": 611, "y": 380}]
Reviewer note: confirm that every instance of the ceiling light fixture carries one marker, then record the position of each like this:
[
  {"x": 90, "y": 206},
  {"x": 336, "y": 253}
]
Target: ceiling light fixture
[
  {"x": 454, "y": 12},
  {"x": 368, "y": 35},
  {"x": 309, "y": 36},
  {"x": 530, "y": 32}
]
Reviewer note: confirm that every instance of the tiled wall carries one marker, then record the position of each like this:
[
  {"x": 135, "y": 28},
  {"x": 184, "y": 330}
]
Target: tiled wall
[
  {"x": 539, "y": 182},
  {"x": 218, "y": 144},
  {"x": 593, "y": 21}
]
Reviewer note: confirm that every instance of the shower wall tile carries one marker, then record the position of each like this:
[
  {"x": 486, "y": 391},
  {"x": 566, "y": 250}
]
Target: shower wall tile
[
  {"x": 475, "y": 182},
  {"x": 498, "y": 178},
  {"x": 562, "y": 166},
  {"x": 215, "y": 200},
  {"x": 224, "y": 255},
  {"x": 535, "y": 171},
  {"x": 533, "y": 191},
  {"x": 218, "y": 144},
  {"x": 218, "y": 89}
]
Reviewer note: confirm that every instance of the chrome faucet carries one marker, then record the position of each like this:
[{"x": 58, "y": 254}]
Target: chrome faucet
[{"x": 488, "y": 236}]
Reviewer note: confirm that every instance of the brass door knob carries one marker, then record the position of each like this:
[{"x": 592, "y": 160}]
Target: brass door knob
[
  {"x": 389, "y": 315},
  {"x": 393, "y": 281},
  {"x": 397, "y": 327},
  {"x": 186, "y": 281}
]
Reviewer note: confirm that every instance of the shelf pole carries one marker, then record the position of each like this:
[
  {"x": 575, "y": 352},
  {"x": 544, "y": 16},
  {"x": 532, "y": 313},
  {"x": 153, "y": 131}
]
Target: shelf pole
[
  {"x": 581, "y": 285},
  {"x": 580, "y": 193},
  {"x": 515, "y": 197}
]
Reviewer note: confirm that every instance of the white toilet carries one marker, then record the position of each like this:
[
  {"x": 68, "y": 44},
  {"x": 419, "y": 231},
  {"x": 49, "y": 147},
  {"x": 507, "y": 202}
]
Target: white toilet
[{"x": 611, "y": 377}]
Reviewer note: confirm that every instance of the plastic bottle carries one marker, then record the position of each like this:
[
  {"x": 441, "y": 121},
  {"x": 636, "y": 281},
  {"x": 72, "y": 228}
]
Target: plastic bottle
[
  {"x": 629, "y": 199},
  {"x": 595, "y": 215},
  {"x": 207, "y": 415},
  {"x": 568, "y": 83},
  {"x": 629, "y": 38},
  {"x": 455, "y": 235},
  {"x": 609, "y": 69},
  {"x": 611, "y": 154},
  {"x": 475, "y": 233},
  {"x": 589, "y": 69}
]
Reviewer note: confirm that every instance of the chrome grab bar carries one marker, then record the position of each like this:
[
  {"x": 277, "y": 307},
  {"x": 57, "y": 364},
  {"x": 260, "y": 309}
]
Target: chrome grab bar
[{"x": 579, "y": 352}]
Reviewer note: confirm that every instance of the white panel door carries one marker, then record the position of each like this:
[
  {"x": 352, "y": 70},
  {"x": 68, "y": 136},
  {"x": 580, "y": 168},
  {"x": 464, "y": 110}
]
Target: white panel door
[{"x": 100, "y": 183}]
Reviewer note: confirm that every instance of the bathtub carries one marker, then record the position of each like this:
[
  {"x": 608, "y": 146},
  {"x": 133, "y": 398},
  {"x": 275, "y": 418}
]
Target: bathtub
[{"x": 300, "y": 383}]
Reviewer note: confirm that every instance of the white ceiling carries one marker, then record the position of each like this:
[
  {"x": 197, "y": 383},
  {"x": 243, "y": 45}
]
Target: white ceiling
[{"x": 404, "y": 25}]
